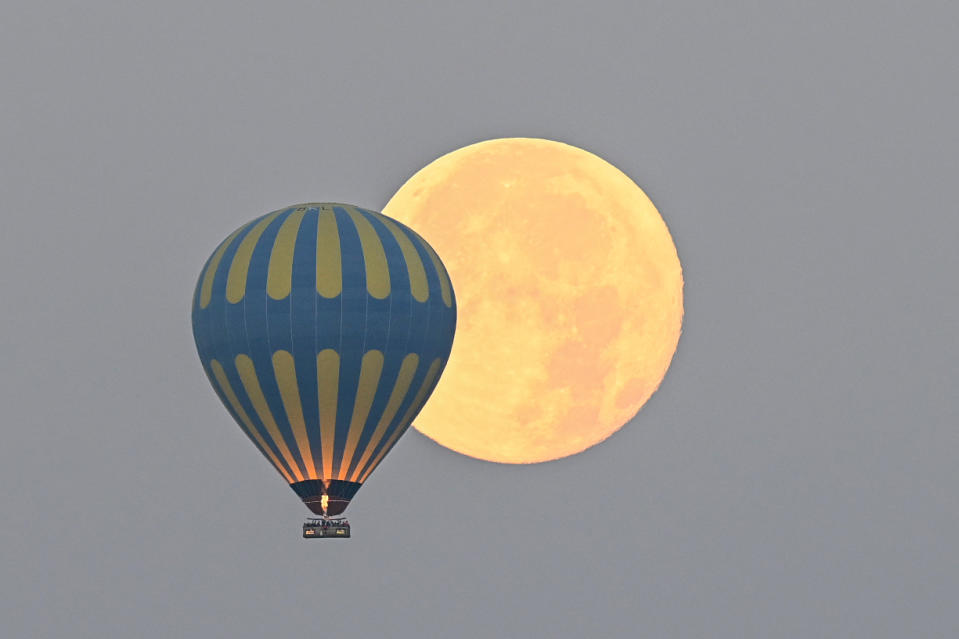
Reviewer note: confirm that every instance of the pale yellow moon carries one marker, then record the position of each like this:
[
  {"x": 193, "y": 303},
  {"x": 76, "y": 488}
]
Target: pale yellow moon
[{"x": 569, "y": 294}]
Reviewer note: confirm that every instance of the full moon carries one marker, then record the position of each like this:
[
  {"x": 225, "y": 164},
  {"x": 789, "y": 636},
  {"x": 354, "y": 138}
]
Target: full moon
[{"x": 569, "y": 290}]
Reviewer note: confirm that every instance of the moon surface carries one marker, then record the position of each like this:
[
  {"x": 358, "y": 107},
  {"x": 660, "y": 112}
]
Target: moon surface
[{"x": 569, "y": 290}]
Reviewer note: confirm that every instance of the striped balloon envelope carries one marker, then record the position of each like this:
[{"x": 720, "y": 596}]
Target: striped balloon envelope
[{"x": 324, "y": 328}]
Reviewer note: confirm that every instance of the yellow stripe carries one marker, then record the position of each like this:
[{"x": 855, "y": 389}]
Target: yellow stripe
[
  {"x": 329, "y": 267},
  {"x": 251, "y": 430},
  {"x": 377, "y": 270},
  {"x": 285, "y": 372},
  {"x": 328, "y": 384},
  {"x": 404, "y": 423},
  {"x": 279, "y": 278},
  {"x": 402, "y": 386},
  {"x": 206, "y": 289},
  {"x": 414, "y": 265},
  {"x": 400, "y": 390},
  {"x": 244, "y": 365},
  {"x": 369, "y": 380},
  {"x": 236, "y": 280},
  {"x": 445, "y": 287}
]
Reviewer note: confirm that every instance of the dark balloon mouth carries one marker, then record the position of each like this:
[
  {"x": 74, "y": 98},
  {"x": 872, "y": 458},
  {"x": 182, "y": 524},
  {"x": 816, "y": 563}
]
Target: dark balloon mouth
[
  {"x": 338, "y": 494},
  {"x": 333, "y": 506}
]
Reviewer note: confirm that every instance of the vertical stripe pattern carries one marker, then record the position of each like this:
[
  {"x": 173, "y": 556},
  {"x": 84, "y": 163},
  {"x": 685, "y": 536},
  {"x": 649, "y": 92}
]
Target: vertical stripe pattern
[
  {"x": 328, "y": 382},
  {"x": 324, "y": 328},
  {"x": 329, "y": 268},
  {"x": 224, "y": 387},
  {"x": 414, "y": 265},
  {"x": 206, "y": 286},
  {"x": 429, "y": 382},
  {"x": 279, "y": 279},
  {"x": 285, "y": 370},
  {"x": 377, "y": 271},
  {"x": 240, "y": 267}
]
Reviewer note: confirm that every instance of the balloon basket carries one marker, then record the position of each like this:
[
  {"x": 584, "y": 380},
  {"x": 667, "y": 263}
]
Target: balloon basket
[{"x": 326, "y": 528}]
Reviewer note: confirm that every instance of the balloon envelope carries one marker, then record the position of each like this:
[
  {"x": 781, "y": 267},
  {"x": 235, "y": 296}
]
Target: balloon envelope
[{"x": 324, "y": 328}]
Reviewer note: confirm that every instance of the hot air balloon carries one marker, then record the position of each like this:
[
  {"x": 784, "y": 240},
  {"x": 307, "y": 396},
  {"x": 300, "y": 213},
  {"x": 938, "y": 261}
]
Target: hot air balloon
[{"x": 324, "y": 328}]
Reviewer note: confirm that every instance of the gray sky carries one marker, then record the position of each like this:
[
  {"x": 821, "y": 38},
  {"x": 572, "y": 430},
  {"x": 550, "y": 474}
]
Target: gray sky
[{"x": 795, "y": 475}]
